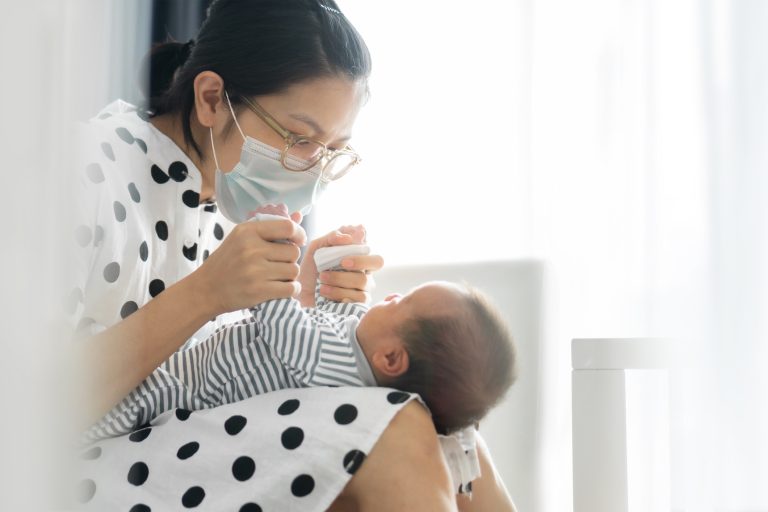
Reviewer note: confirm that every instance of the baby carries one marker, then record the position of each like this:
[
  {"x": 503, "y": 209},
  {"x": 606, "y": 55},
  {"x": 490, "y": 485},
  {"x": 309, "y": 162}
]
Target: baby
[{"x": 441, "y": 340}]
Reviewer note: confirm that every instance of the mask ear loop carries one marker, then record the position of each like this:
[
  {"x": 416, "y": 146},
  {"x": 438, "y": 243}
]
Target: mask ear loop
[
  {"x": 234, "y": 117},
  {"x": 213, "y": 149}
]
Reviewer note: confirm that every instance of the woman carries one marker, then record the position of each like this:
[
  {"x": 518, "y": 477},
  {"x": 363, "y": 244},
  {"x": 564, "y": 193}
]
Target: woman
[{"x": 163, "y": 251}]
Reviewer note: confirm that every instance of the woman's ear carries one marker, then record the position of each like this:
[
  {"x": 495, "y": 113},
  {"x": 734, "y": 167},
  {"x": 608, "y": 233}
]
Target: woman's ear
[
  {"x": 391, "y": 360},
  {"x": 209, "y": 97}
]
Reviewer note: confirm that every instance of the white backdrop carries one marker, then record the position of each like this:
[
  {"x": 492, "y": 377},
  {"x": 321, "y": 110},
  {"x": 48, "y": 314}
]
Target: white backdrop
[{"x": 622, "y": 141}]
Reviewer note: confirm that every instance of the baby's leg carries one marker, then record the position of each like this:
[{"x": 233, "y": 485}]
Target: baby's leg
[{"x": 159, "y": 392}]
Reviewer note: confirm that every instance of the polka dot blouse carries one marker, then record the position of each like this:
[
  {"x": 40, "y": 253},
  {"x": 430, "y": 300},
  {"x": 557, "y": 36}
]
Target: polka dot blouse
[{"x": 139, "y": 225}]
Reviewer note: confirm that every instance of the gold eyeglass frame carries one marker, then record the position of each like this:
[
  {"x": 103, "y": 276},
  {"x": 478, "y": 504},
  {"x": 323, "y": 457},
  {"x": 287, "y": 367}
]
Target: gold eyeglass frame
[{"x": 291, "y": 139}]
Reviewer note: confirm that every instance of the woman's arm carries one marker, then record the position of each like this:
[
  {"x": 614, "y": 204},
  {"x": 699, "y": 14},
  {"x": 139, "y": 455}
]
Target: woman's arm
[
  {"x": 405, "y": 470},
  {"x": 488, "y": 491},
  {"x": 246, "y": 269},
  {"x": 116, "y": 360}
]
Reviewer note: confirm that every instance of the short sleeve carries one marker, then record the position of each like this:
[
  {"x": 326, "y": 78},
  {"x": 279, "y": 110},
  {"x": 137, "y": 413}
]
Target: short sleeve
[{"x": 83, "y": 233}]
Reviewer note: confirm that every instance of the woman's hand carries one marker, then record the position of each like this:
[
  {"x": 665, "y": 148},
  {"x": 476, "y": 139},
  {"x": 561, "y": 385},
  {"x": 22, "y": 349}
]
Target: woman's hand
[
  {"x": 248, "y": 268},
  {"x": 352, "y": 286}
]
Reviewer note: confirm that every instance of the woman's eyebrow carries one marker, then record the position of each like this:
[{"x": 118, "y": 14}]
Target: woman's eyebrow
[{"x": 319, "y": 132}]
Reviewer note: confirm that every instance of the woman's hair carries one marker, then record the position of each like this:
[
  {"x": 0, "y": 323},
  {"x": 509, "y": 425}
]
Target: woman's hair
[
  {"x": 461, "y": 365},
  {"x": 258, "y": 47}
]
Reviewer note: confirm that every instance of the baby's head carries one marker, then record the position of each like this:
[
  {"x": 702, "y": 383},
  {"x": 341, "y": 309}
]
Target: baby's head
[{"x": 445, "y": 342}]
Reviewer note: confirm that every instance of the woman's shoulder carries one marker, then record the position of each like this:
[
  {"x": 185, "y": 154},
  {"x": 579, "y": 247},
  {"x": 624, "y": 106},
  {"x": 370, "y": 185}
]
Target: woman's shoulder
[{"x": 122, "y": 136}]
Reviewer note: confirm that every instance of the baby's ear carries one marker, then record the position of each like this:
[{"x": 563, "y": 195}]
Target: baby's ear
[{"x": 391, "y": 360}]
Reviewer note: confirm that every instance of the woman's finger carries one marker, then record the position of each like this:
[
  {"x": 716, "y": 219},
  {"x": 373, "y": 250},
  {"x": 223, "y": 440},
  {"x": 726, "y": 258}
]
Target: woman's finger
[
  {"x": 350, "y": 280},
  {"x": 344, "y": 294},
  {"x": 282, "y": 289},
  {"x": 283, "y": 271},
  {"x": 369, "y": 263},
  {"x": 278, "y": 230},
  {"x": 279, "y": 252}
]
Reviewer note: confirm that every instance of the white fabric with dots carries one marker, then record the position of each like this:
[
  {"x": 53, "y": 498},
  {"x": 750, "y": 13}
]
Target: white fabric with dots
[
  {"x": 139, "y": 225},
  {"x": 140, "y": 229}
]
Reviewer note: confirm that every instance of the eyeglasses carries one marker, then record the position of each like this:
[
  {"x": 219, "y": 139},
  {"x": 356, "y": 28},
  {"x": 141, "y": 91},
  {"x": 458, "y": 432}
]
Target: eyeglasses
[{"x": 302, "y": 153}]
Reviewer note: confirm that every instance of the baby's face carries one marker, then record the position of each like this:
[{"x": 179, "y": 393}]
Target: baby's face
[{"x": 385, "y": 318}]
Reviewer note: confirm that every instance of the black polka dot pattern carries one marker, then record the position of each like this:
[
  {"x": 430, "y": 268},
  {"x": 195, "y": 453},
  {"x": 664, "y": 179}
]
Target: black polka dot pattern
[
  {"x": 218, "y": 231},
  {"x": 106, "y": 147},
  {"x": 302, "y": 486},
  {"x": 140, "y": 507},
  {"x": 83, "y": 235},
  {"x": 143, "y": 251},
  {"x": 98, "y": 235},
  {"x": 210, "y": 208},
  {"x": 112, "y": 272},
  {"x": 182, "y": 414},
  {"x": 94, "y": 173},
  {"x": 345, "y": 414},
  {"x": 288, "y": 407},
  {"x": 193, "y": 497},
  {"x": 353, "y": 460},
  {"x": 161, "y": 228},
  {"x": 243, "y": 468},
  {"x": 397, "y": 397},
  {"x": 292, "y": 438},
  {"x": 140, "y": 435},
  {"x": 156, "y": 287},
  {"x": 124, "y": 134},
  {"x": 206, "y": 253},
  {"x": 138, "y": 473},
  {"x": 142, "y": 145},
  {"x": 191, "y": 198},
  {"x": 190, "y": 252},
  {"x": 159, "y": 175},
  {"x": 91, "y": 454},
  {"x": 128, "y": 309},
  {"x": 235, "y": 424},
  {"x": 119, "y": 209},
  {"x": 250, "y": 507},
  {"x": 86, "y": 490},
  {"x": 188, "y": 450},
  {"x": 178, "y": 171},
  {"x": 134, "y": 192}
]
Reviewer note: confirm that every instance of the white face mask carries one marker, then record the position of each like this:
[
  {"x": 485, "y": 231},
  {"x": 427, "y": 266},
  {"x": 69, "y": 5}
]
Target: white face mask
[{"x": 259, "y": 178}]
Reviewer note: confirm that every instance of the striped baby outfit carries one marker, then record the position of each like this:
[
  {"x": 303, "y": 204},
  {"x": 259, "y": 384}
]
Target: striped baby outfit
[{"x": 282, "y": 345}]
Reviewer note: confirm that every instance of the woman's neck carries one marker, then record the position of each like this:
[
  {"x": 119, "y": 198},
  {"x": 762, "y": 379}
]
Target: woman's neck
[{"x": 170, "y": 126}]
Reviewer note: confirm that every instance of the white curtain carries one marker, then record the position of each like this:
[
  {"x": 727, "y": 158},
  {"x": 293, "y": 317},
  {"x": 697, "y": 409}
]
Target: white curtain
[
  {"x": 61, "y": 62},
  {"x": 623, "y": 142}
]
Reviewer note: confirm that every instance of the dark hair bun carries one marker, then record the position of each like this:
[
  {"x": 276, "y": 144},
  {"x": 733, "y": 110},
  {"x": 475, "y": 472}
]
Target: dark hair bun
[{"x": 159, "y": 68}]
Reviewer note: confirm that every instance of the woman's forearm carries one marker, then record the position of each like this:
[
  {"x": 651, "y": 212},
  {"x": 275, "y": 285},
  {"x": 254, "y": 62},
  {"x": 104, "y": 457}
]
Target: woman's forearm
[{"x": 115, "y": 361}]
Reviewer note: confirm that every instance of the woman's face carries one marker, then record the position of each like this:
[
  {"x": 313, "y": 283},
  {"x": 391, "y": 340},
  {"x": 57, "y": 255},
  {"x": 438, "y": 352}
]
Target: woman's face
[{"x": 323, "y": 109}]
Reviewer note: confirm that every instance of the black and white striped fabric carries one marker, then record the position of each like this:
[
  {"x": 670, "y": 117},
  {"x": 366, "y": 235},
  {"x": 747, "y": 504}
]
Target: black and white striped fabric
[{"x": 282, "y": 346}]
